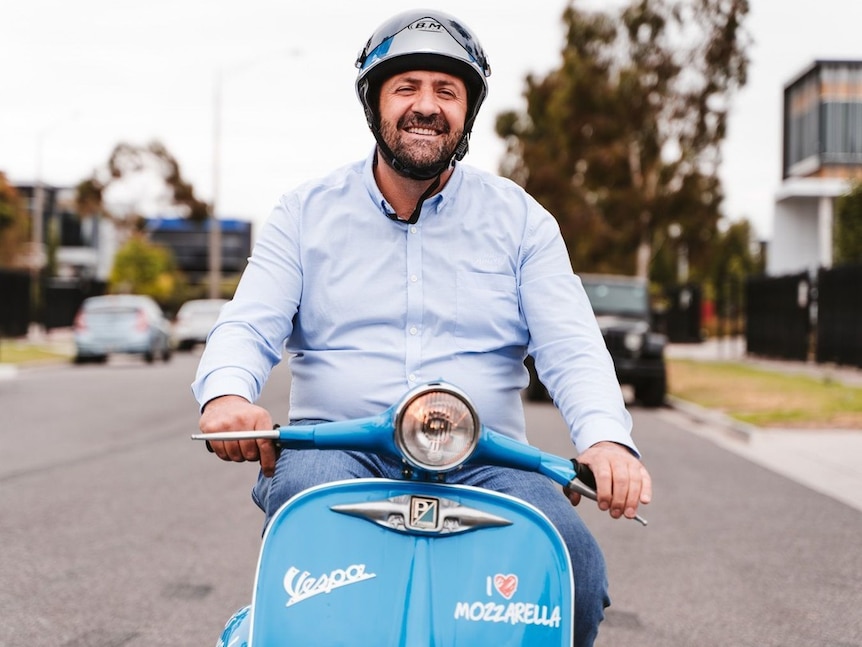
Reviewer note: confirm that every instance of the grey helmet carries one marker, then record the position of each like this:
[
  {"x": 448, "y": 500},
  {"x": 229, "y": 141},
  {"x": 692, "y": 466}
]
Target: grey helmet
[{"x": 421, "y": 39}]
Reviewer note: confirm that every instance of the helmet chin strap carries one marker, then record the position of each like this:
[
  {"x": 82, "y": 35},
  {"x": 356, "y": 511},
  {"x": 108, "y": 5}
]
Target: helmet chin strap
[
  {"x": 414, "y": 217},
  {"x": 436, "y": 173}
]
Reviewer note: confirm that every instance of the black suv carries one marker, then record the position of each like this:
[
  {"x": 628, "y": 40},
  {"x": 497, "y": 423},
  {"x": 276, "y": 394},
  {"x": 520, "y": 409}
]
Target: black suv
[{"x": 621, "y": 305}]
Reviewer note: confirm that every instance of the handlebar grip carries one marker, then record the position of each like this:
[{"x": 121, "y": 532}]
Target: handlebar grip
[
  {"x": 210, "y": 449},
  {"x": 584, "y": 474}
]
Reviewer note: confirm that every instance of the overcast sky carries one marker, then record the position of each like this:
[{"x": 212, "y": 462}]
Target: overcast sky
[{"x": 79, "y": 76}]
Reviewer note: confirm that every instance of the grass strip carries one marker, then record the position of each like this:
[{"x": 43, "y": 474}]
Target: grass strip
[
  {"x": 14, "y": 351},
  {"x": 766, "y": 398}
]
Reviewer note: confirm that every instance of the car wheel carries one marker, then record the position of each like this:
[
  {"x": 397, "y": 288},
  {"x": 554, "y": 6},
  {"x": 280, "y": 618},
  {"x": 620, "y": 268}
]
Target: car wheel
[{"x": 652, "y": 393}]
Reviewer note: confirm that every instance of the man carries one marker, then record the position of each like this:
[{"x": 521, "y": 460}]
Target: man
[{"x": 409, "y": 267}]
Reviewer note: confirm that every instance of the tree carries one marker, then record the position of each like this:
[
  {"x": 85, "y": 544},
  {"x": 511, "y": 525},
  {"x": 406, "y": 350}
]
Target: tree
[
  {"x": 13, "y": 223},
  {"x": 141, "y": 267},
  {"x": 128, "y": 162},
  {"x": 848, "y": 226},
  {"x": 622, "y": 141}
]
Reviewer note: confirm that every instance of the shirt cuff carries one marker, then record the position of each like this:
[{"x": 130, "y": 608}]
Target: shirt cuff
[
  {"x": 605, "y": 429},
  {"x": 219, "y": 384}
]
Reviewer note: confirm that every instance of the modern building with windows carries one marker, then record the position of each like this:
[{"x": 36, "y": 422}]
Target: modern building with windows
[
  {"x": 190, "y": 240},
  {"x": 822, "y": 156}
]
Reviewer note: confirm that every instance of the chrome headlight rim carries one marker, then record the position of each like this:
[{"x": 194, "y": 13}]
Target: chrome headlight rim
[{"x": 424, "y": 391}]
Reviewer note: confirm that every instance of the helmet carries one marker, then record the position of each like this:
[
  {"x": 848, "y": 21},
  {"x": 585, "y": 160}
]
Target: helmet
[{"x": 421, "y": 40}]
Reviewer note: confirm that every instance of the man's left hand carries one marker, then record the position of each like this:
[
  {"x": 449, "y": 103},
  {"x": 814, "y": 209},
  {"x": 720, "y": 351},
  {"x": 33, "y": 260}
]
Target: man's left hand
[{"x": 622, "y": 481}]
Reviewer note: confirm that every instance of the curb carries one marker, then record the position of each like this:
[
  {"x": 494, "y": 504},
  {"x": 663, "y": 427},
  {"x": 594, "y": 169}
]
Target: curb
[{"x": 736, "y": 428}]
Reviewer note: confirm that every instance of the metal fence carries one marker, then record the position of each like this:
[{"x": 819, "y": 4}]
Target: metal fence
[
  {"x": 59, "y": 301},
  {"x": 839, "y": 315},
  {"x": 63, "y": 298},
  {"x": 778, "y": 319},
  {"x": 795, "y": 317},
  {"x": 14, "y": 302}
]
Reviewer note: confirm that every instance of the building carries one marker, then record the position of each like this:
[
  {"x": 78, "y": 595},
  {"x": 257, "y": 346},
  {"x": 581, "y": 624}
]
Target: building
[
  {"x": 822, "y": 155},
  {"x": 189, "y": 241},
  {"x": 83, "y": 247}
]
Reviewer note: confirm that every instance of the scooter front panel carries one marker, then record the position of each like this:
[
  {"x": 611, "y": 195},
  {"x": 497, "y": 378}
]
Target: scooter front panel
[{"x": 371, "y": 563}]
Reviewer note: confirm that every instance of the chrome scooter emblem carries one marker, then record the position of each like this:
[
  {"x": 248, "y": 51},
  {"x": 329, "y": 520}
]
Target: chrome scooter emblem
[{"x": 410, "y": 513}]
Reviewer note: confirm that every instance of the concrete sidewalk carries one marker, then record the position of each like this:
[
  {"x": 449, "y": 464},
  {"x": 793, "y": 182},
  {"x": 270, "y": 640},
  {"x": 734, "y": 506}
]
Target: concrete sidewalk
[{"x": 828, "y": 461}]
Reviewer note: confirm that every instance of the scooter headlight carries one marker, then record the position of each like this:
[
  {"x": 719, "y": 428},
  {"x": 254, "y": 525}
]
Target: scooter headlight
[{"x": 436, "y": 427}]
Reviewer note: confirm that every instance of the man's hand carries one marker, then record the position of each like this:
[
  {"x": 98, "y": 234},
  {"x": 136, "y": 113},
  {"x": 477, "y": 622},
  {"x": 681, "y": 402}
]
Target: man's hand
[
  {"x": 622, "y": 482},
  {"x": 234, "y": 413}
]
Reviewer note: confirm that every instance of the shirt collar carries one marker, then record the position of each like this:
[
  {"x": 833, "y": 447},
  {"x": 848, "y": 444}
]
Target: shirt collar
[{"x": 432, "y": 205}]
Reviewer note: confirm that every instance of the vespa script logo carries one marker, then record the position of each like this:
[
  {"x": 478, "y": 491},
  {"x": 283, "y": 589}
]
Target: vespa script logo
[{"x": 300, "y": 585}]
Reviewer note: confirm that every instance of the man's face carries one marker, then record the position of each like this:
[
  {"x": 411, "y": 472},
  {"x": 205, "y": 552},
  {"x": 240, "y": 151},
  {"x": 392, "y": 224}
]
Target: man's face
[{"x": 422, "y": 116}]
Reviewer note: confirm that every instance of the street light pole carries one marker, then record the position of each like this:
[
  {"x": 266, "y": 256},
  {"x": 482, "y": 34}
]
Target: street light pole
[
  {"x": 214, "y": 224},
  {"x": 37, "y": 239},
  {"x": 215, "y": 231}
]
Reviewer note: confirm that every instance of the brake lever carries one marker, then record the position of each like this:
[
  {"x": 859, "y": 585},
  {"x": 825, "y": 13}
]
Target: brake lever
[{"x": 584, "y": 484}]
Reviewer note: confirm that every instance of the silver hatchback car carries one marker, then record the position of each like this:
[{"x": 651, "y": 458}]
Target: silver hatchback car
[{"x": 121, "y": 323}]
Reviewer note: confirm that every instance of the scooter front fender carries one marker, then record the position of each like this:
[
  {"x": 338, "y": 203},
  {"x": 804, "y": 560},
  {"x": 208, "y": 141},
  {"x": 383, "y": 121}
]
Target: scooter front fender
[{"x": 379, "y": 563}]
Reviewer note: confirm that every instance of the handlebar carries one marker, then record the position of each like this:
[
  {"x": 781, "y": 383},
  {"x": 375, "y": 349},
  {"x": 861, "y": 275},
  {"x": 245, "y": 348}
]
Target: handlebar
[{"x": 558, "y": 469}]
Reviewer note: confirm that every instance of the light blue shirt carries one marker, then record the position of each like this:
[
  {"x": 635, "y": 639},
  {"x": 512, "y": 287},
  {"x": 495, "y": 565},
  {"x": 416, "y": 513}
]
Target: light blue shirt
[{"x": 368, "y": 307}]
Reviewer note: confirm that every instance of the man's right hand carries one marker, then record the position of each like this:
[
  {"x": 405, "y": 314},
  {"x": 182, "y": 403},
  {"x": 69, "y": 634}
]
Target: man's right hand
[{"x": 235, "y": 413}]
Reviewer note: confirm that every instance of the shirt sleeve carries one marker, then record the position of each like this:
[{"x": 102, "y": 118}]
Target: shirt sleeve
[
  {"x": 566, "y": 343},
  {"x": 248, "y": 339}
]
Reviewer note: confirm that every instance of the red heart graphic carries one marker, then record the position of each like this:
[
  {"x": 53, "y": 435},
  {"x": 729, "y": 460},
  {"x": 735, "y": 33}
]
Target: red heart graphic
[{"x": 506, "y": 585}]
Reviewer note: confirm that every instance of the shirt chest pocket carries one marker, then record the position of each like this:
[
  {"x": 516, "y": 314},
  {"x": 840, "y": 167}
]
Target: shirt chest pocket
[{"x": 487, "y": 313}]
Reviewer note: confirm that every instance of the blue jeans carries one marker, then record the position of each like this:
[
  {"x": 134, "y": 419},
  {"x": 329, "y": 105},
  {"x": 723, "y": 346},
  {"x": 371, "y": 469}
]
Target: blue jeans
[{"x": 297, "y": 470}]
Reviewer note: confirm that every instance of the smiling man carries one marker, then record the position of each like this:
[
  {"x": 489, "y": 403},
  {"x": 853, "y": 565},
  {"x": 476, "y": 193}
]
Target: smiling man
[{"x": 411, "y": 266}]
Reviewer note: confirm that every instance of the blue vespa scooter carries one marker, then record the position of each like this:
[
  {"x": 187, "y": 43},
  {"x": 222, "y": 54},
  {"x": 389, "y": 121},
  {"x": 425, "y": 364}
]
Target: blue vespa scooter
[{"x": 414, "y": 562}]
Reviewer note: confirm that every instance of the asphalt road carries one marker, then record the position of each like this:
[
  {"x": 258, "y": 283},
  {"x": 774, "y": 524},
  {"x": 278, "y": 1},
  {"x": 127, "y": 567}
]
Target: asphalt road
[{"x": 116, "y": 530}]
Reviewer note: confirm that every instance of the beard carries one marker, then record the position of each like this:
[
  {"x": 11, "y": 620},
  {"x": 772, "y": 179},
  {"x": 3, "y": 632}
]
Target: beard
[{"x": 417, "y": 153}]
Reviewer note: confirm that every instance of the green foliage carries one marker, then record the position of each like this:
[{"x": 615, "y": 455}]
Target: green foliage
[
  {"x": 140, "y": 267},
  {"x": 622, "y": 141},
  {"x": 736, "y": 253},
  {"x": 848, "y": 227}
]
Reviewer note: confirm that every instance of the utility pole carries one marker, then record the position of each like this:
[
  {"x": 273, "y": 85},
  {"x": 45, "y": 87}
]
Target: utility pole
[
  {"x": 215, "y": 232},
  {"x": 214, "y": 238}
]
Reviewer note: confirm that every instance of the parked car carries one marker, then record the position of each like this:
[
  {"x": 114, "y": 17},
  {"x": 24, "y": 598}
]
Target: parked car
[
  {"x": 121, "y": 323},
  {"x": 194, "y": 321},
  {"x": 622, "y": 308}
]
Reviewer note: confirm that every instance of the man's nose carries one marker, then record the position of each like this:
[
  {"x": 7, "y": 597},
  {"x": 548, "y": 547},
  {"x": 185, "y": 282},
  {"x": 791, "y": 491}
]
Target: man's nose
[{"x": 426, "y": 102}]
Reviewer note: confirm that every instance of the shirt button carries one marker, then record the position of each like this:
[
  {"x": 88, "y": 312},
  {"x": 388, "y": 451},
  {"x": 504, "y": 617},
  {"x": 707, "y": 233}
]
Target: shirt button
[
  {"x": 412, "y": 377},
  {"x": 414, "y": 229},
  {"x": 413, "y": 330},
  {"x": 413, "y": 278}
]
